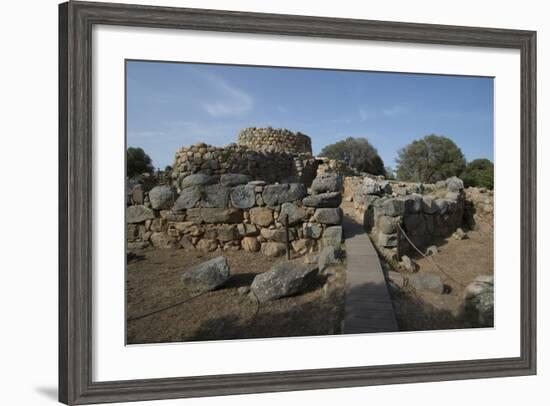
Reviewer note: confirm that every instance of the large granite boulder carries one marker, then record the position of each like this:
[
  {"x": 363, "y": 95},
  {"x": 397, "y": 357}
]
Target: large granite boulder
[
  {"x": 478, "y": 299},
  {"x": 197, "y": 179},
  {"x": 325, "y": 200},
  {"x": 283, "y": 279},
  {"x": 261, "y": 216},
  {"x": 207, "y": 276},
  {"x": 188, "y": 198},
  {"x": 330, "y": 256},
  {"x": 243, "y": 196},
  {"x": 162, "y": 197},
  {"x": 138, "y": 214},
  {"x": 332, "y": 237},
  {"x": 454, "y": 184},
  {"x": 234, "y": 179},
  {"x": 327, "y": 182},
  {"x": 295, "y": 214},
  {"x": 274, "y": 195},
  {"x": 215, "y": 196},
  {"x": 328, "y": 216}
]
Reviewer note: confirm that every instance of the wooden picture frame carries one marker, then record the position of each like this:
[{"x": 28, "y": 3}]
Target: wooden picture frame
[{"x": 75, "y": 187}]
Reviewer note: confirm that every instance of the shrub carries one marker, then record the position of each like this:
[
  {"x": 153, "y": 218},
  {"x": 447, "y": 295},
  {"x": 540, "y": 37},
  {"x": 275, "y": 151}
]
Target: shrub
[
  {"x": 357, "y": 153},
  {"x": 137, "y": 162}
]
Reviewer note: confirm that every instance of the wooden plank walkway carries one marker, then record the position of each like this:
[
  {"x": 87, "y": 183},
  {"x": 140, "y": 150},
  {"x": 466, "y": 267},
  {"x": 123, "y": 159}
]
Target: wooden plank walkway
[{"x": 368, "y": 304}]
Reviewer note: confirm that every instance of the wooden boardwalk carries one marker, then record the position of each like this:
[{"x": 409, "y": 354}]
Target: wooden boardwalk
[{"x": 368, "y": 305}]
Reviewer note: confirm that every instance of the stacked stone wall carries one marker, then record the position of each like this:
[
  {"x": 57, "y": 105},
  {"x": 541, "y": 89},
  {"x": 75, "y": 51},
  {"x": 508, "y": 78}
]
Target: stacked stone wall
[{"x": 275, "y": 140}]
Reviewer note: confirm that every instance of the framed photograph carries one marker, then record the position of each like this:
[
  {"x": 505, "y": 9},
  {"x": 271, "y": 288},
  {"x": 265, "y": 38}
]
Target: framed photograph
[{"x": 260, "y": 202}]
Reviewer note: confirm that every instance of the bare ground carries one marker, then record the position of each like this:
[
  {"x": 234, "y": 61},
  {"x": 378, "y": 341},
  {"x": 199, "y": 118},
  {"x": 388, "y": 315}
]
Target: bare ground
[
  {"x": 153, "y": 285},
  {"x": 462, "y": 261}
]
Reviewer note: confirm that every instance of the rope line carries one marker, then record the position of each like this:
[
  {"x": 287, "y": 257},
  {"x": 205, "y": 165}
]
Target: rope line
[{"x": 436, "y": 265}]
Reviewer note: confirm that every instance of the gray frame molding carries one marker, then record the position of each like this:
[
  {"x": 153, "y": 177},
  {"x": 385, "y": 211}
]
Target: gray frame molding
[{"x": 75, "y": 187}]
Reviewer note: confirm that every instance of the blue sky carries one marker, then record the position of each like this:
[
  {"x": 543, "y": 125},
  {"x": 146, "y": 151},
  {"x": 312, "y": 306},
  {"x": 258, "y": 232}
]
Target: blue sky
[{"x": 174, "y": 104}]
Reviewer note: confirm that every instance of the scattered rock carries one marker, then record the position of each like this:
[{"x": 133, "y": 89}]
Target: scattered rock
[
  {"x": 430, "y": 283},
  {"x": 283, "y": 279},
  {"x": 138, "y": 214},
  {"x": 478, "y": 299},
  {"x": 408, "y": 264},
  {"x": 431, "y": 250},
  {"x": 325, "y": 200},
  {"x": 459, "y": 234},
  {"x": 207, "y": 276},
  {"x": 328, "y": 216}
]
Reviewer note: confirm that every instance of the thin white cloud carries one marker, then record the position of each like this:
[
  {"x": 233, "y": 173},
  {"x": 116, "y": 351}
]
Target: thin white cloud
[
  {"x": 394, "y": 111},
  {"x": 230, "y": 101}
]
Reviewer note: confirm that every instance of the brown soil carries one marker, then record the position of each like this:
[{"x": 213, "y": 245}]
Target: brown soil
[
  {"x": 463, "y": 261},
  {"x": 153, "y": 284}
]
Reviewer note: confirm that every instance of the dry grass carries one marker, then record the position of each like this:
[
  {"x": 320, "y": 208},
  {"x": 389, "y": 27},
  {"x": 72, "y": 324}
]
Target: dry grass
[{"x": 153, "y": 283}]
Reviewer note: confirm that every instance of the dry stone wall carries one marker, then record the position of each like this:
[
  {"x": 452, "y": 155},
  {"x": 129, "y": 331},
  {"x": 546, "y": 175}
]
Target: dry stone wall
[
  {"x": 232, "y": 212},
  {"x": 275, "y": 140},
  {"x": 425, "y": 213}
]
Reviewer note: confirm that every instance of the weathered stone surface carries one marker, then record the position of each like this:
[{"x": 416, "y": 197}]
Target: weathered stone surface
[
  {"x": 186, "y": 244},
  {"x": 250, "y": 244},
  {"x": 375, "y": 187},
  {"x": 138, "y": 194},
  {"x": 243, "y": 196},
  {"x": 442, "y": 205},
  {"x": 430, "y": 283},
  {"x": 198, "y": 179},
  {"x": 207, "y": 245},
  {"x": 327, "y": 200},
  {"x": 455, "y": 184},
  {"x": 332, "y": 237},
  {"x": 278, "y": 234},
  {"x": 428, "y": 205},
  {"x": 188, "y": 198},
  {"x": 246, "y": 229},
  {"x": 162, "y": 197},
  {"x": 296, "y": 191},
  {"x": 397, "y": 279},
  {"x": 330, "y": 256},
  {"x": 164, "y": 241},
  {"x": 387, "y": 224},
  {"x": 387, "y": 240},
  {"x": 215, "y": 196},
  {"x": 283, "y": 279},
  {"x": 272, "y": 193},
  {"x": 295, "y": 214},
  {"x": 234, "y": 179},
  {"x": 207, "y": 276},
  {"x": 478, "y": 299},
  {"x": 159, "y": 224},
  {"x": 138, "y": 214},
  {"x": 216, "y": 216},
  {"x": 394, "y": 207},
  {"x": 261, "y": 216},
  {"x": 273, "y": 249},
  {"x": 172, "y": 216},
  {"x": 415, "y": 224},
  {"x": 327, "y": 182},
  {"x": 227, "y": 232},
  {"x": 312, "y": 230},
  {"x": 328, "y": 216},
  {"x": 413, "y": 203}
]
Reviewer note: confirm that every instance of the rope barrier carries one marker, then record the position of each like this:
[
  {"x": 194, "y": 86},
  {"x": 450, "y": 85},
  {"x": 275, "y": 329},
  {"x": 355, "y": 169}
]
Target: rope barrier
[{"x": 436, "y": 265}]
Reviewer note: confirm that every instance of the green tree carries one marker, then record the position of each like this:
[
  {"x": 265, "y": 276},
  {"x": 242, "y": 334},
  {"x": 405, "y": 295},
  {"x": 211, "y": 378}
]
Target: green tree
[
  {"x": 430, "y": 159},
  {"x": 357, "y": 153},
  {"x": 479, "y": 173},
  {"x": 137, "y": 162}
]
